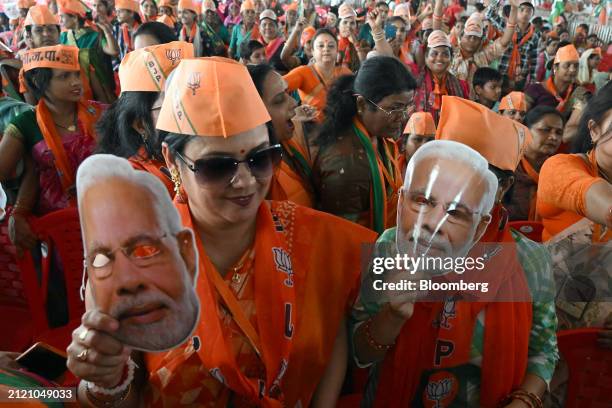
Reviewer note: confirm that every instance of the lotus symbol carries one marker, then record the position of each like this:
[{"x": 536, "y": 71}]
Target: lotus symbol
[{"x": 438, "y": 390}]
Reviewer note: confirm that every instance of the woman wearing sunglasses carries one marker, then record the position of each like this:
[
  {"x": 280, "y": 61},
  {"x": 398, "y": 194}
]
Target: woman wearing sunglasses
[
  {"x": 292, "y": 180},
  {"x": 127, "y": 128},
  {"x": 268, "y": 330},
  {"x": 356, "y": 173},
  {"x": 574, "y": 186}
]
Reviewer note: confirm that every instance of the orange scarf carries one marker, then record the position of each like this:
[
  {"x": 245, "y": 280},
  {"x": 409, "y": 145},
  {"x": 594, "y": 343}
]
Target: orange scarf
[
  {"x": 533, "y": 174},
  {"x": 87, "y": 117},
  {"x": 515, "y": 57},
  {"x": 445, "y": 332},
  {"x": 127, "y": 35},
  {"x": 438, "y": 91},
  {"x": 550, "y": 86},
  {"x": 192, "y": 34},
  {"x": 141, "y": 161},
  {"x": 275, "y": 305}
]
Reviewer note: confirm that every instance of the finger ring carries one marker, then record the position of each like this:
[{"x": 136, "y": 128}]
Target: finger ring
[
  {"x": 83, "y": 355},
  {"x": 83, "y": 334}
]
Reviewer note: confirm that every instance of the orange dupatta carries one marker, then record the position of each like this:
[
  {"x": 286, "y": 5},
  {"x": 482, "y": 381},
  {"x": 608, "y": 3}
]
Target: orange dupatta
[
  {"x": 87, "y": 116},
  {"x": 191, "y": 36},
  {"x": 533, "y": 174},
  {"x": 550, "y": 86},
  {"x": 275, "y": 305},
  {"x": 444, "y": 338},
  {"x": 515, "y": 56},
  {"x": 438, "y": 91}
]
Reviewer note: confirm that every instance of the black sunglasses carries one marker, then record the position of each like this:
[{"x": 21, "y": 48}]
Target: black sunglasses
[{"x": 220, "y": 170}]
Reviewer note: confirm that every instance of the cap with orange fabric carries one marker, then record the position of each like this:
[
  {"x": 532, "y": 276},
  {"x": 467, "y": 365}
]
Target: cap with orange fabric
[
  {"x": 567, "y": 54},
  {"x": 402, "y": 10},
  {"x": 25, "y": 4},
  {"x": 72, "y": 7},
  {"x": 205, "y": 97},
  {"x": 474, "y": 26},
  {"x": 346, "y": 11},
  {"x": 208, "y": 5},
  {"x": 188, "y": 5},
  {"x": 127, "y": 5},
  {"x": 420, "y": 123},
  {"x": 500, "y": 140},
  {"x": 247, "y": 5},
  {"x": 64, "y": 57},
  {"x": 427, "y": 24},
  {"x": 146, "y": 69},
  {"x": 513, "y": 101},
  {"x": 165, "y": 3},
  {"x": 40, "y": 15},
  {"x": 292, "y": 6},
  {"x": 438, "y": 38},
  {"x": 307, "y": 35},
  {"x": 269, "y": 14},
  {"x": 167, "y": 20}
]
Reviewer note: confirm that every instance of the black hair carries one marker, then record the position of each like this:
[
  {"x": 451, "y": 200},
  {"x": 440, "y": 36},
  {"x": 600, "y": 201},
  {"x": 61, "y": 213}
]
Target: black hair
[
  {"x": 152, "y": 1},
  {"x": 484, "y": 75},
  {"x": 162, "y": 33},
  {"x": 258, "y": 75},
  {"x": 537, "y": 20},
  {"x": 118, "y": 137},
  {"x": 393, "y": 19},
  {"x": 502, "y": 175},
  {"x": 506, "y": 10},
  {"x": 341, "y": 104},
  {"x": 527, "y": 3},
  {"x": 247, "y": 48},
  {"x": 28, "y": 29},
  {"x": 479, "y": 7},
  {"x": 536, "y": 114},
  {"x": 592, "y": 36},
  {"x": 585, "y": 26},
  {"x": 564, "y": 43},
  {"x": 381, "y": 3},
  {"x": 38, "y": 80},
  {"x": 595, "y": 110},
  {"x": 563, "y": 31},
  {"x": 322, "y": 31}
]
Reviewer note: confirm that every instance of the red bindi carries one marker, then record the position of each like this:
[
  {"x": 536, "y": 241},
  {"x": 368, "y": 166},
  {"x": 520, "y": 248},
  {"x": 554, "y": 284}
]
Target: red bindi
[{"x": 242, "y": 151}]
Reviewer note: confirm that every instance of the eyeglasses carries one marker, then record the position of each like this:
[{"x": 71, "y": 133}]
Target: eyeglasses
[
  {"x": 433, "y": 54},
  {"x": 456, "y": 213},
  {"x": 403, "y": 113},
  {"x": 143, "y": 252},
  {"x": 220, "y": 171}
]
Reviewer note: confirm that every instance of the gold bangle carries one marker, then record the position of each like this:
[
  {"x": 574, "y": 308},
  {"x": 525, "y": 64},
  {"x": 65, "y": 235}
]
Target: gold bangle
[{"x": 370, "y": 339}]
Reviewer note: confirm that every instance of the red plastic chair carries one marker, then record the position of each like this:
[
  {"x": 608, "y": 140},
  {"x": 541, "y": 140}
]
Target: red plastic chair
[
  {"x": 61, "y": 232},
  {"x": 14, "y": 311},
  {"x": 530, "y": 229},
  {"x": 590, "y": 369}
]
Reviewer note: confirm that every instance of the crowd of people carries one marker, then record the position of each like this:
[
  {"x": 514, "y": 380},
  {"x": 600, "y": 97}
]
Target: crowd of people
[{"x": 272, "y": 149}]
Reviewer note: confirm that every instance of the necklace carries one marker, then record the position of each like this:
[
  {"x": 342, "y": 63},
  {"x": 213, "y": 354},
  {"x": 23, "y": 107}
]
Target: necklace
[{"x": 70, "y": 128}]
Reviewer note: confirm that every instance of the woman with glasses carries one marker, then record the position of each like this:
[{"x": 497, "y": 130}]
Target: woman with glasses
[
  {"x": 576, "y": 186},
  {"x": 268, "y": 334},
  {"x": 435, "y": 79},
  {"x": 356, "y": 172},
  {"x": 546, "y": 126},
  {"x": 127, "y": 128}
]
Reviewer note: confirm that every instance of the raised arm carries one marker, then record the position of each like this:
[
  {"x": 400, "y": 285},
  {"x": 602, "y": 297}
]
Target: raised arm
[
  {"x": 506, "y": 38},
  {"x": 287, "y": 54},
  {"x": 493, "y": 15},
  {"x": 437, "y": 14},
  {"x": 381, "y": 45},
  {"x": 109, "y": 46}
]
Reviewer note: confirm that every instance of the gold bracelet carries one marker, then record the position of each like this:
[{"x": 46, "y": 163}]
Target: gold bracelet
[{"x": 370, "y": 339}]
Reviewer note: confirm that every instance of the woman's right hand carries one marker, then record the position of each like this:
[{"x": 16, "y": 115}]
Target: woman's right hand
[
  {"x": 105, "y": 359},
  {"x": 21, "y": 234}
]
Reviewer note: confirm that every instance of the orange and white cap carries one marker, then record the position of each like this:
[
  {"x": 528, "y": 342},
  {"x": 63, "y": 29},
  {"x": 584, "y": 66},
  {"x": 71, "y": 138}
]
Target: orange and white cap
[
  {"x": 402, "y": 10},
  {"x": 208, "y": 5},
  {"x": 211, "y": 96},
  {"x": 427, "y": 24},
  {"x": 72, "y": 7},
  {"x": 64, "y": 57},
  {"x": 420, "y": 123},
  {"x": 567, "y": 54},
  {"x": 502, "y": 141},
  {"x": 188, "y": 5},
  {"x": 438, "y": 38},
  {"x": 474, "y": 26},
  {"x": 247, "y": 5},
  {"x": 146, "y": 69},
  {"x": 513, "y": 101},
  {"x": 346, "y": 11},
  {"x": 127, "y": 5},
  {"x": 269, "y": 14}
]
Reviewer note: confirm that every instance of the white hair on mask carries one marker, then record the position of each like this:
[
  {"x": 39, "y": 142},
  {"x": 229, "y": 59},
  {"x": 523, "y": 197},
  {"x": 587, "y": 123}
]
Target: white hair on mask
[
  {"x": 100, "y": 167},
  {"x": 451, "y": 150}
]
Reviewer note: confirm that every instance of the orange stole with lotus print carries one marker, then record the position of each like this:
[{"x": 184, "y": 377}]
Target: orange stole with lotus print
[
  {"x": 179, "y": 376},
  {"x": 140, "y": 162}
]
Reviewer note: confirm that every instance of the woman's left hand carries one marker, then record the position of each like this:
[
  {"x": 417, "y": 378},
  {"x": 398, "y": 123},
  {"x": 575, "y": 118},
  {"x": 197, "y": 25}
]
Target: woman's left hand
[{"x": 305, "y": 113}]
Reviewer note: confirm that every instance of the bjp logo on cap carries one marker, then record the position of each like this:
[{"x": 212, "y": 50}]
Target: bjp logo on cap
[
  {"x": 193, "y": 82},
  {"x": 174, "y": 55}
]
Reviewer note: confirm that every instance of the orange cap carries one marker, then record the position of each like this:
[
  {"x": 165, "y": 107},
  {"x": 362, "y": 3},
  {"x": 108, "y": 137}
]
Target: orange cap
[
  {"x": 474, "y": 26},
  {"x": 25, "y": 4},
  {"x": 208, "y": 5},
  {"x": 146, "y": 69},
  {"x": 346, "y": 11},
  {"x": 167, "y": 20},
  {"x": 514, "y": 100},
  {"x": 438, "y": 38},
  {"x": 567, "y": 54},
  {"x": 188, "y": 5},
  {"x": 292, "y": 6},
  {"x": 40, "y": 15},
  {"x": 127, "y": 5},
  {"x": 427, "y": 24},
  {"x": 402, "y": 10},
  {"x": 501, "y": 140},
  {"x": 72, "y": 7},
  {"x": 206, "y": 97},
  {"x": 64, "y": 57},
  {"x": 420, "y": 123},
  {"x": 307, "y": 35},
  {"x": 165, "y": 3},
  {"x": 247, "y": 5}
]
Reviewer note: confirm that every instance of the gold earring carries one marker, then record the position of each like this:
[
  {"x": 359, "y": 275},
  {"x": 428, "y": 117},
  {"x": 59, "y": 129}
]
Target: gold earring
[{"x": 176, "y": 179}]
